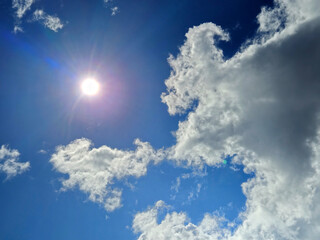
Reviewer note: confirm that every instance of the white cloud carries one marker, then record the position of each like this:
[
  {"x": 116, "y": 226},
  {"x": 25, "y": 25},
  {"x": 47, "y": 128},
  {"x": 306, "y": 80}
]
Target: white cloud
[
  {"x": 42, "y": 151},
  {"x": 114, "y": 11},
  {"x": 9, "y": 162},
  {"x": 17, "y": 29},
  {"x": 271, "y": 19},
  {"x": 176, "y": 185},
  {"x": 51, "y": 22},
  {"x": 21, "y": 6},
  {"x": 262, "y": 104},
  {"x": 195, "y": 193},
  {"x": 177, "y": 226},
  {"x": 95, "y": 170}
]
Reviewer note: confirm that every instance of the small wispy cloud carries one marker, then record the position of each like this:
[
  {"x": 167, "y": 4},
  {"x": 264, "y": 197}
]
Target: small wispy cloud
[
  {"x": 21, "y": 6},
  {"x": 49, "y": 21},
  {"x": 9, "y": 162},
  {"x": 114, "y": 11},
  {"x": 17, "y": 29},
  {"x": 175, "y": 187},
  {"x": 42, "y": 151},
  {"x": 195, "y": 193},
  {"x": 177, "y": 184}
]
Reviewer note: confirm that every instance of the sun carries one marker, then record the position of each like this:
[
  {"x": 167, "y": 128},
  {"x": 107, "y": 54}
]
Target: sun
[{"x": 90, "y": 86}]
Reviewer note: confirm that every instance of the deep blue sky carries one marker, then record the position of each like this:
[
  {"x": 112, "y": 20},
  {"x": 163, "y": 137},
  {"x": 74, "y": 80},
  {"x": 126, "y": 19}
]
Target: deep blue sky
[{"x": 40, "y": 72}]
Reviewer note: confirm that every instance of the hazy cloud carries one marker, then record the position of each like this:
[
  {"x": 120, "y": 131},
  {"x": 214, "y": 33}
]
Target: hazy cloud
[{"x": 9, "y": 162}]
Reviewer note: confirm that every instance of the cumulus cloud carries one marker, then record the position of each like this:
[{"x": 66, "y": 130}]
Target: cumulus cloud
[
  {"x": 51, "y": 22},
  {"x": 9, "y": 162},
  {"x": 263, "y": 105},
  {"x": 94, "y": 170},
  {"x": 177, "y": 225}
]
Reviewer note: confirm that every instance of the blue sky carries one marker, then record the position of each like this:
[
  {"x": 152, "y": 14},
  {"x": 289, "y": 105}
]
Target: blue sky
[{"x": 184, "y": 85}]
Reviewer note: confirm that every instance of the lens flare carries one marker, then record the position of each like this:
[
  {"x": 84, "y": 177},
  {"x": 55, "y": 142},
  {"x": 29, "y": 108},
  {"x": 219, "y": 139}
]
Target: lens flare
[{"x": 90, "y": 87}]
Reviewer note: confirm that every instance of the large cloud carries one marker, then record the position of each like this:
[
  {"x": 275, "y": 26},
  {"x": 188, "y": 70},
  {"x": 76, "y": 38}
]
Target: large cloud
[
  {"x": 9, "y": 162},
  {"x": 95, "y": 170},
  {"x": 262, "y": 104}
]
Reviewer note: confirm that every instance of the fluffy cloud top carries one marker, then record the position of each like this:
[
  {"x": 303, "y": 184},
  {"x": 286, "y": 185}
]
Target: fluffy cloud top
[
  {"x": 95, "y": 170},
  {"x": 51, "y": 22},
  {"x": 177, "y": 226},
  {"x": 9, "y": 162}
]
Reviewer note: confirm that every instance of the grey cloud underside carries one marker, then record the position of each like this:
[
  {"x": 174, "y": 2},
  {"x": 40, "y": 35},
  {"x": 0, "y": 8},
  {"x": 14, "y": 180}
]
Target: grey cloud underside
[
  {"x": 282, "y": 109},
  {"x": 268, "y": 102}
]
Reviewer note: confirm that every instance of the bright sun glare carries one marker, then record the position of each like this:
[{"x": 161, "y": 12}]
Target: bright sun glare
[{"x": 90, "y": 86}]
